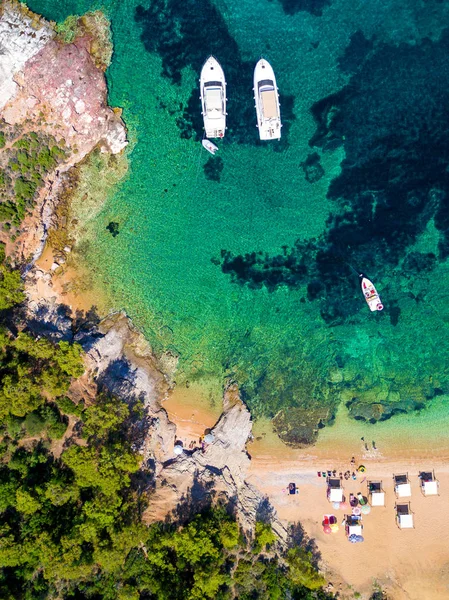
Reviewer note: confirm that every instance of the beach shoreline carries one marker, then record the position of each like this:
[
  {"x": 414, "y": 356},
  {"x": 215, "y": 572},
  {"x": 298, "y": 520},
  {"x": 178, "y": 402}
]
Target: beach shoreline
[{"x": 402, "y": 563}]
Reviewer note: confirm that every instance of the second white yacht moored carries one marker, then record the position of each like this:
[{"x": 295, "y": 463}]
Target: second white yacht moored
[
  {"x": 213, "y": 98},
  {"x": 267, "y": 101}
]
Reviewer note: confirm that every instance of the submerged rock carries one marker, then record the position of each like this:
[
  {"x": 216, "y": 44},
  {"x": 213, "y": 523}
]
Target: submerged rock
[
  {"x": 299, "y": 426},
  {"x": 312, "y": 168},
  {"x": 381, "y": 411}
]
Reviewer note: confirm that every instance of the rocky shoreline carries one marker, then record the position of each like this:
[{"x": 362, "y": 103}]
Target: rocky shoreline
[{"x": 42, "y": 76}]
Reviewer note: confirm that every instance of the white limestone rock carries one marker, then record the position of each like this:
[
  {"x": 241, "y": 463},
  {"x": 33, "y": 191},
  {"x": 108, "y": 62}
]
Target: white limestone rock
[{"x": 19, "y": 41}]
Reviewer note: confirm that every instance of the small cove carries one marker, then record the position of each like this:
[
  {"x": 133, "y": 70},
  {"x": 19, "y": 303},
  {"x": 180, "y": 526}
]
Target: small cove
[{"x": 165, "y": 266}]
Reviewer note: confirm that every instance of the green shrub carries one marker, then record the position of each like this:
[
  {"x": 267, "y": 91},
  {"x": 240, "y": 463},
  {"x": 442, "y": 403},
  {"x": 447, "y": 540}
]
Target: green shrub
[
  {"x": 11, "y": 288},
  {"x": 57, "y": 431},
  {"x": 45, "y": 159},
  {"x": 67, "y": 29},
  {"x": 2, "y": 139},
  {"x": 23, "y": 143},
  {"x": 14, "y": 426},
  {"x": 24, "y": 189},
  {"x": 301, "y": 570},
  {"x": 23, "y": 159},
  {"x": 264, "y": 536},
  {"x": 54, "y": 423},
  {"x": 68, "y": 407},
  {"x": 34, "y": 424},
  {"x": 7, "y": 211}
]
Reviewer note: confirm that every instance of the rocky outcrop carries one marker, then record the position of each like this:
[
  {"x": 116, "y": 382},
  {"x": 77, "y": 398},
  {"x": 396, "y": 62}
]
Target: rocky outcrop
[
  {"x": 219, "y": 468},
  {"x": 58, "y": 89},
  {"x": 119, "y": 359},
  {"x": 64, "y": 93},
  {"x": 22, "y": 36}
]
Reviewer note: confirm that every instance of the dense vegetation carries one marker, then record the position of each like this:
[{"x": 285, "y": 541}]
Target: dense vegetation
[
  {"x": 72, "y": 496},
  {"x": 25, "y": 161}
]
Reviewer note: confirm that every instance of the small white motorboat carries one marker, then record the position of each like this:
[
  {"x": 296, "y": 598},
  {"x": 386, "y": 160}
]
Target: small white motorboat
[
  {"x": 369, "y": 291},
  {"x": 210, "y": 146},
  {"x": 213, "y": 98},
  {"x": 266, "y": 96}
]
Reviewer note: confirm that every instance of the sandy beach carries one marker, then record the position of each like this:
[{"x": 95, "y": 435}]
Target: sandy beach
[{"x": 409, "y": 564}]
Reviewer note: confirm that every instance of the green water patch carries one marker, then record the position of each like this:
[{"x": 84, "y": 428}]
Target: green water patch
[{"x": 243, "y": 266}]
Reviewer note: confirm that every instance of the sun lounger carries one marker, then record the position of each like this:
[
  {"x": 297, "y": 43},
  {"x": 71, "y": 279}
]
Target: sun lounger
[
  {"x": 404, "y": 516},
  {"x": 402, "y": 486},
  {"x": 376, "y": 493},
  {"x": 429, "y": 483},
  {"x": 353, "y": 525},
  {"x": 334, "y": 490}
]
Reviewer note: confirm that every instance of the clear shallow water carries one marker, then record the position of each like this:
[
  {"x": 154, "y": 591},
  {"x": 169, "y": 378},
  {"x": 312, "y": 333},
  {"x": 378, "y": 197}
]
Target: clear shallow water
[{"x": 291, "y": 340}]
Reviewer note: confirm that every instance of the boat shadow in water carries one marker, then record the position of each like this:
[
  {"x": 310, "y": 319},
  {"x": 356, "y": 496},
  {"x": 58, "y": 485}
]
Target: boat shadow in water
[{"x": 184, "y": 34}]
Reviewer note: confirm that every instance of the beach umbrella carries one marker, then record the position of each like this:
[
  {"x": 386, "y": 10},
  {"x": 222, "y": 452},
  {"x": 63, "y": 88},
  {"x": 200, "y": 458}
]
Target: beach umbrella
[
  {"x": 178, "y": 449},
  {"x": 209, "y": 438},
  {"x": 353, "y": 538},
  {"x": 360, "y": 538},
  {"x": 344, "y": 505},
  {"x": 334, "y": 528},
  {"x": 357, "y": 511},
  {"x": 361, "y": 468},
  {"x": 327, "y": 529},
  {"x": 336, "y": 505},
  {"x": 366, "y": 509}
]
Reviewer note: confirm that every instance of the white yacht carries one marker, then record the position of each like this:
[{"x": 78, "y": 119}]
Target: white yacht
[
  {"x": 267, "y": 101},
  {"x": 213, "y": 98}
]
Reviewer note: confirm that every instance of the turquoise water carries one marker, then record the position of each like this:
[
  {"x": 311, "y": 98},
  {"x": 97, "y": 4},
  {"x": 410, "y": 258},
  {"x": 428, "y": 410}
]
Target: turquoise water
[{"x": 291, "y": 340}]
